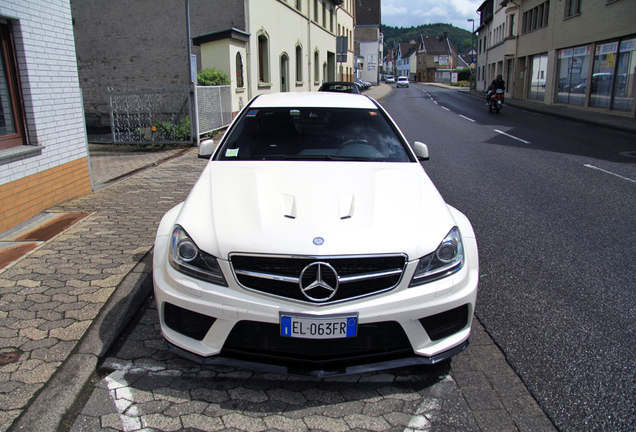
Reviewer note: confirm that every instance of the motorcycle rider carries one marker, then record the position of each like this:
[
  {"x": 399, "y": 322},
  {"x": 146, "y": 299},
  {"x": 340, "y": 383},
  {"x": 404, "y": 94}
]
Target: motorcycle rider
[{"x": 498, "y": 83}]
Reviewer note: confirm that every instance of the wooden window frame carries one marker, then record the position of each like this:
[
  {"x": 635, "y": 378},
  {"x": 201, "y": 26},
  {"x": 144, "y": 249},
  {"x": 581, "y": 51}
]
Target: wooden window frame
[{"x": 10, "y": 64}]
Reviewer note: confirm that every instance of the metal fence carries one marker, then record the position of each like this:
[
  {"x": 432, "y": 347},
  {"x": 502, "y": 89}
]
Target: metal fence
[
  {"x": 156, "y": 117},
  {"x": 214, "y": 107},
  {"x": 150, "y": 117}
]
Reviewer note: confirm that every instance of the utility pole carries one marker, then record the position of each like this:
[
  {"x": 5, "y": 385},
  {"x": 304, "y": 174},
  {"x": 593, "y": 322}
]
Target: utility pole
[{"x": 472, "y": 58}]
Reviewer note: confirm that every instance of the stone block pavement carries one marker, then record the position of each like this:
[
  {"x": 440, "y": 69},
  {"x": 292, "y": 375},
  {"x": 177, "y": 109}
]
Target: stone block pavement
[{"x": 65, "y": 304}]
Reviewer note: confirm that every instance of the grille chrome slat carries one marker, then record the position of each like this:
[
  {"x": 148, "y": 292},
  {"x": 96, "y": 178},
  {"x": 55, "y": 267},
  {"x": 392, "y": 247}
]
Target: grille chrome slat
[{"x": 279, "y": 276}]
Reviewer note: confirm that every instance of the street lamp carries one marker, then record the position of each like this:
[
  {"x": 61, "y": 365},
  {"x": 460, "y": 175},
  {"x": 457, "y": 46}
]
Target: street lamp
[{"x": 472, "y": 48}]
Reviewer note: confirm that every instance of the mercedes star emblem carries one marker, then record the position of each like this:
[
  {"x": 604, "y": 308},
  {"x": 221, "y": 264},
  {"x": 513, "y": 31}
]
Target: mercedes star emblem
[{"x": 319, "y": 281}]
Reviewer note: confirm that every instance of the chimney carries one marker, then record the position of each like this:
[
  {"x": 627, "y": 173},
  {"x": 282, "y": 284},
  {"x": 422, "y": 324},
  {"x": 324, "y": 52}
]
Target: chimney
[{"x": 445, "y": 35}]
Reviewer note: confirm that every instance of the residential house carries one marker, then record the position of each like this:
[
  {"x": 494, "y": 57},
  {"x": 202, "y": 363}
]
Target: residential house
[
  {"x": 436, "y": 57},
  {"x": 368, "y": 39},
  {"x": 262, "y": 45},
  {"x": 43, "y": 145},
  {"x": 573, "y": 52},
  {"x": 406, "y": 63},
  {"x": 346, "y": 17}
]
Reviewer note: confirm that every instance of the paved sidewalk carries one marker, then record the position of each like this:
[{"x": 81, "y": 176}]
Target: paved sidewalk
[
  {"x": 55, "y": 297},
  {"x": 65, "y": 304}
]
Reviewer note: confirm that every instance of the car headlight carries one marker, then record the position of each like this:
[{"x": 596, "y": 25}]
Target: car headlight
[
  {"x": 446, "y": 260},
  {"x": 186, "y": 258}
]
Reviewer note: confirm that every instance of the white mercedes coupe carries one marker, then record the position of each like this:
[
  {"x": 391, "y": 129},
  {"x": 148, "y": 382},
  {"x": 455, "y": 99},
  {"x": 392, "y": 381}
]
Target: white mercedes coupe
[{"x": 314, "y": 243}]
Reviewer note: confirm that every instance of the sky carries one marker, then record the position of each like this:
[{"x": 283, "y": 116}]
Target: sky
[{"x": 410, "y": 13}]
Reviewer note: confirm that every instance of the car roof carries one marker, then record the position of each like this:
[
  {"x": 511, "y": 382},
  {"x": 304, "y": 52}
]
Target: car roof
[
  {"x": 403, "y": 77},
  {"x": 313, "y": 99}
]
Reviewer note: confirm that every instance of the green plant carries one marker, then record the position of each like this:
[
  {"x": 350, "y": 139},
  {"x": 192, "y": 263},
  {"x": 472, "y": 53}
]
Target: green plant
[
  {"x": 212, "y": 77},
  {"x": 173, "y": 132}
]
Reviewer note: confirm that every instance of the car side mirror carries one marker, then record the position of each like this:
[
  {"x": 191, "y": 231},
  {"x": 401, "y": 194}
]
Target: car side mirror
[
  {"x": 206, "y": 148},
  {"x": 421, "y": 150}
]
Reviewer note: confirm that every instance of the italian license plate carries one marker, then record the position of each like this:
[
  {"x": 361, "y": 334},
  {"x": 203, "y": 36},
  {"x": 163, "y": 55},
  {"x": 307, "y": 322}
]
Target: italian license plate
[{"x": 311, "y": 327}]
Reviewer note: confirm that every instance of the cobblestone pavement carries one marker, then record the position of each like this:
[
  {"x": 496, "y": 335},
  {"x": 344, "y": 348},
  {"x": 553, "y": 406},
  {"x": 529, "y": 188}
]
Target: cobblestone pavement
[
  {"x": 60, "y": 312},
  {"x": 146, "y": 387},
  {"x": 50, "y": 297},
  {"x": 109, "y": 161}
]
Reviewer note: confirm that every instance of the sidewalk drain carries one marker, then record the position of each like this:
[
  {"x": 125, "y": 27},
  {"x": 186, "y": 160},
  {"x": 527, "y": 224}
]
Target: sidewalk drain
[
  {"x": 13, "y": 247},
  {"x": 8, "y": 358}
]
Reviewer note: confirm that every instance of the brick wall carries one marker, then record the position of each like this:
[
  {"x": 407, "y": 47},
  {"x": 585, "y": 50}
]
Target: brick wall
[
  {"x": 22, "y": 199},
  {"x": 47, "y": 69}
]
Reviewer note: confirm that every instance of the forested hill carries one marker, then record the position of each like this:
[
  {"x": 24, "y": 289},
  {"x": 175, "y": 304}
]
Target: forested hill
[{"x": 460, "y": 38}]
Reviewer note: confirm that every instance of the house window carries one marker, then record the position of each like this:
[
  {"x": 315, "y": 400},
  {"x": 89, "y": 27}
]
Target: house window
[
  {"x": 512, "y": 25},
  {"x": 572, "y": 7},
  {"x": 299, "y": 63},
  {"x": 11, "y": 116},
  {"x": 331, "y": 20},
  {"x": 316, "y": 66},
  {"x": 536, "y": 17},
  {"x": 298, "y": 2},
  {"x": 263, "y": 59},
  {"x": 239, "y": 70},
  {"x": 324, "y": 14},
  {"x": 315, "y": 10}
]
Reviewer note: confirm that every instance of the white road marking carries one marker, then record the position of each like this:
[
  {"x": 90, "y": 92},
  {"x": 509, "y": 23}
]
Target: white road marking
[
  {"x": 445, "y": 108},
  {"x": 513, "y": 137},
  {"x": 467, "y": 118},
  {"x": 609, "y": 172}
]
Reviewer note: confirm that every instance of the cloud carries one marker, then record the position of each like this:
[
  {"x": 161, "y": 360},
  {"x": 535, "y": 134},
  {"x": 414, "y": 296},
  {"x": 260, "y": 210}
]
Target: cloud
[{"x": 410, "y": 13}]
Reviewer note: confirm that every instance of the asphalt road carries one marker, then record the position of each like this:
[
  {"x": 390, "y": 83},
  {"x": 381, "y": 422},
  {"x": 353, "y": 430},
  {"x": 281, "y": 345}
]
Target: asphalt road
[{"x": 553, "y": 205}]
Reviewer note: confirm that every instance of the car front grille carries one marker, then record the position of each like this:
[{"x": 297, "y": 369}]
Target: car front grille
[
  {"x": 263, "y": 343},
  {"x": 356, "y": 276}
]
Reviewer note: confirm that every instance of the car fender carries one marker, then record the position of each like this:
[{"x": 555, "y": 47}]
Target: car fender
[
  {"x": 463, "y": 223},
  {"x": 164, "y": 232}
]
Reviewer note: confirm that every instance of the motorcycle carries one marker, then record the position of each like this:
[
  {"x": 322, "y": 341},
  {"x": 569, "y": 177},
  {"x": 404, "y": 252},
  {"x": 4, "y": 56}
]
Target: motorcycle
[{"x": 496, "y": 101}]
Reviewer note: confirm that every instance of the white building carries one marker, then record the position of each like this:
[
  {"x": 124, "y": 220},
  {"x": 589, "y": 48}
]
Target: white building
[
  {"x": 43, "y": 144},
  {"x": 286, "y": 46}
]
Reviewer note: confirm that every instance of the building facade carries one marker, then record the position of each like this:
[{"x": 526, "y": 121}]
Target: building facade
[
  {"x": 576, "y": 53},
  {"x": 368, "y": 40},
  {"x": 43, "y": 145},
  {"x": 436, "y": 57},
  {"x": 263, "y": 46},
  {"x": 406, "y": 63}
]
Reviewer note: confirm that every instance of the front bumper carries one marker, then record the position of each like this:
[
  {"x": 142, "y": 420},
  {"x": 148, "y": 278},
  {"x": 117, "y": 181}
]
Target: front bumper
[{"x": 233, "y": 326}]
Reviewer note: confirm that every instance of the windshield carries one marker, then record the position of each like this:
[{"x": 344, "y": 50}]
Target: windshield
[{"x": 313, "y": 134}]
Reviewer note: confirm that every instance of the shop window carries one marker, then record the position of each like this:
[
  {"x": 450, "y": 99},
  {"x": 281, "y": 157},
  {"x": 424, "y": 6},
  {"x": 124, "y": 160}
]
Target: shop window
[
  {"x": 572, "y": 71},
  {"x": 623, "y": 99},
  {"x": 11, "y": 115},
  {"x": 603, "y": 75},
  {"x": 538, "y": 77}
]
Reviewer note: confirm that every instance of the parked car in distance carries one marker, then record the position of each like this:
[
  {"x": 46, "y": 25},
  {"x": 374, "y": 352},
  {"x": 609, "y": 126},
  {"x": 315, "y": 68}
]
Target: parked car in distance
[
  {"x": 364, "y": 84},
  {"x": 299, "y": 250},
  {"x": 402, "y": 81},
  {"x": 339, "y": 87},
  {"x": 389, "y": 79}
]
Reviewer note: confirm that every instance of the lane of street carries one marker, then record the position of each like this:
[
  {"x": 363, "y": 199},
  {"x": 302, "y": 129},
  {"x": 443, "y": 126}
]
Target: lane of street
[{"x": 556, "y": 291}]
